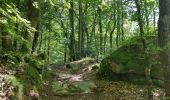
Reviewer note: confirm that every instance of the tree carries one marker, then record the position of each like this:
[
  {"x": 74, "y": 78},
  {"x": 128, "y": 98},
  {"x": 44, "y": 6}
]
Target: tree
[
  {"x": 80, "y": 32},
  {"x": 139, "y": 17},
  {"x": 118, "y": 24},
  {"x": 32, "y": 16},
  {"x": 114, "y": 26},
  {"x": 164, "y": 40},
  {"x": 100, "y": 29},
  {"x": 6, "y": 37},
  {"x": 72, "y": 35},
  {"x": 146, "y": 16}
]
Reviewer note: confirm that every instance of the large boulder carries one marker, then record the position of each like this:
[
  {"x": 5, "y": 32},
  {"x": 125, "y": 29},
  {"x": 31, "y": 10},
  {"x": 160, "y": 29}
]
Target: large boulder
[{"x": 130, "y": 61}]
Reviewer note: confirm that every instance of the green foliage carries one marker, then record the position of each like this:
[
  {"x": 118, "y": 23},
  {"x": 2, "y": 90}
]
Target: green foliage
[
  {"x": 104, "y": 72},
  {"x": 55, "y": 37},
  {"x": 13, "y": 60},
  {"x": 17, "y": 87},
  {"x": 13, "y": 80},
  {"x": 32, "y": 75},
  {"x": 10, "y": 16},
  {"x": 34, "y": 62},
  {"x": 27, "y": 68}
]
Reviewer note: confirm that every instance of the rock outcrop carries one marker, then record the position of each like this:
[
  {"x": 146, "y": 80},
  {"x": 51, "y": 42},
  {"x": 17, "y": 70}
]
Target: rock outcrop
[{"x": 130, "y": 60}]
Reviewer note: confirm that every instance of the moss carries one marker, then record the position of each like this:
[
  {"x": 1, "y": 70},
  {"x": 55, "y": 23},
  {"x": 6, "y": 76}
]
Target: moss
[
  {"x": 126, "y": 57},
  {"x": 42, "y": 56},
  {"x": 34, "y": 62},
  {"x": 131, "y": 57},
  {"x": 27, "y": 70},
  {"x": 104, "y": 71},
  {"x": 65, "y": 89},
  {"x": 17, "y": 88},
  {"x": 157, "y": 71}
]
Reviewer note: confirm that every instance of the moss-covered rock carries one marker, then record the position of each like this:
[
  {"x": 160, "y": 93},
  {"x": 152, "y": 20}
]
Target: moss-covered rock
[
  {"x": 27, "y": 70},
  {"x": 130, "y": 60},
  {"x": 62, "y": 89}
]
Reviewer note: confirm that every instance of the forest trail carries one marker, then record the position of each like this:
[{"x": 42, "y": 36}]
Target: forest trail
[{"x": 94, "y": 89}]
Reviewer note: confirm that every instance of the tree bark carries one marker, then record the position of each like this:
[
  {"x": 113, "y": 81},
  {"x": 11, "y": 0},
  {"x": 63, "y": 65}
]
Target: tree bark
[
  {"x": 17, "y": 3},
  {"x": 93, "y": 27},
  {"x": 66, "y": 37},
  {"x": 164, "y": 40},
  {"x": 140, "y": 22},
  {"x": 146, "y": 54},
  {"x": 137, "y": 2},
  {"x": 72, "y": 35},
  {"x": 100, "y": 30},
  {"x": 154, "y": 19},
  {"x": 80, "y": 32},
  {"x": 33, "y": 17},
  {"x": 114, "y": 25},
  {"x": 6, "y": 39},
  {"x": 118, "y": 24},
  {"x": 146, "y": 16},
  {"x": 36, "y": 38},
  {"x": 122, "y": 19},
  {"x": 105, "y": 36}
]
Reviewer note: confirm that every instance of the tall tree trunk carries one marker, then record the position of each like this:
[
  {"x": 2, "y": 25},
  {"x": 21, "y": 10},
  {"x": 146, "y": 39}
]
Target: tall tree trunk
[
  {"x": 6, "y": 39},
  {"x": 148, "y": 66},
  {"x": 41, "y": 41},
  {"x": 72, "y": 36},
  {"x": 48, "y": 49},
  {"x": 122, "y": 19},
  {"x": 140, "y": 22},
  {"x": 114, "y": 25},
  {"x": 80, "y": 31},
  {"x": 100, "y": 29},
  {"x": 139, "y": 17},
  {"x": 0, "y": 39},
  {"x": 118, "y": 24},
  {"x": 164, "y": 40},
  {"x": 154, "y": 19},
  {"x": 93, "y": 27},
  {"x": 33, "y": 17},
  {"x": 36, "y": 38},
  {"x": 86, "y": 26},
  {"x": 65, "y": 36},
  {"x": 105, "y": 36},
  {"x": 17, "y": 2},
  {"x": 146, "y": 16},
  {"x": 37, "y": 27}
]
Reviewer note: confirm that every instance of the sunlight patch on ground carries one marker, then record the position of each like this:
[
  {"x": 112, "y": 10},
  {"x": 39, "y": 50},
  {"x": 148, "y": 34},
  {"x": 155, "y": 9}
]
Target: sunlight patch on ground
[{"x": 70, "y": 77}]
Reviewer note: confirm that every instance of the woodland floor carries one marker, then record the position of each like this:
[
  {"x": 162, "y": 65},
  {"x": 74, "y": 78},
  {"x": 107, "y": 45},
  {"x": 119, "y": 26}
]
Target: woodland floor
[
  {"x": 5, "y": 88},
  {"x": 105, "y": 90}
]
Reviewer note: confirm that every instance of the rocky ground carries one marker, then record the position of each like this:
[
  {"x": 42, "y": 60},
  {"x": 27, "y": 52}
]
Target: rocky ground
[
  {"x": 5, "y": 88},
  {"x": 81, "y": 84}
]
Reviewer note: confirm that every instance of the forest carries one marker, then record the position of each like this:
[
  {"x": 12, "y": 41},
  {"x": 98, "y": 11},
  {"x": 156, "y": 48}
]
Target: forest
[{"x": 84, "y": 50}]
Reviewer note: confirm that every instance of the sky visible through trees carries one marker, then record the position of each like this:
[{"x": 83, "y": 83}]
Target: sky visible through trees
[{"x": 119, "y": 35}]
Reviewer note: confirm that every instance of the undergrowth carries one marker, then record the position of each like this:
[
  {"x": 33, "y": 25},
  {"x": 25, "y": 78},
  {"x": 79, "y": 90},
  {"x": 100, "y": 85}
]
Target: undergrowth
[{"x": 27, "y": 71}]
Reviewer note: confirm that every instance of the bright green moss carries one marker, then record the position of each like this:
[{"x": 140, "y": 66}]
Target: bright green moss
[{"x": 132, "y": 57}]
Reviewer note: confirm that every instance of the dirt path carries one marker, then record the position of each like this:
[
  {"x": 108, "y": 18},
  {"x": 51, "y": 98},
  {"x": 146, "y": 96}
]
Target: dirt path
[{"x": 103, "y": 90}]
